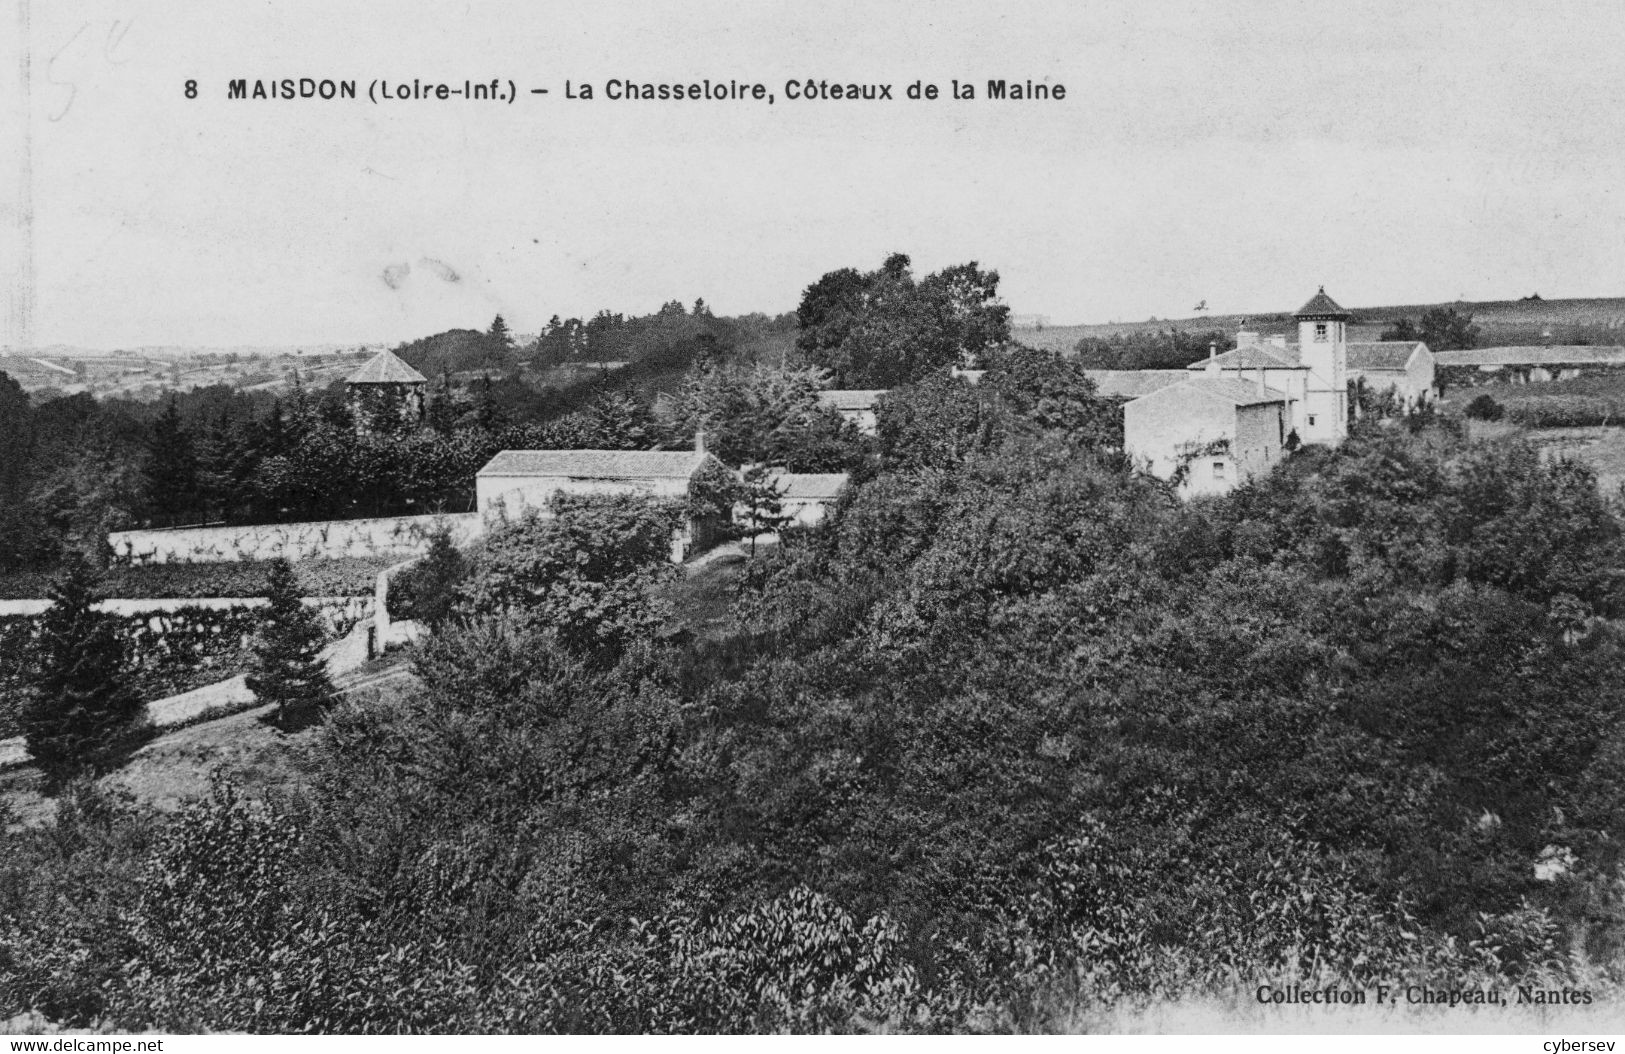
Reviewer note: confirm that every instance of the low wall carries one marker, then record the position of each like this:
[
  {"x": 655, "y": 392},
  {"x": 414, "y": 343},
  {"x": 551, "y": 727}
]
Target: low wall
[{"x": 324, "y": 539}]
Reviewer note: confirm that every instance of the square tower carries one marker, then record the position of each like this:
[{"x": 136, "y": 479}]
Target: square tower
[{"x": 1323, "y": 347}]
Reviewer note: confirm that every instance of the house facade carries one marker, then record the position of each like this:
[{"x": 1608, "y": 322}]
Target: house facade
[
  {"x": 855, "y": 404},
  {"x": 805, "y": 497},
  {"x": 1208, "y": 434},
  {"x": 516, "y": 482}
]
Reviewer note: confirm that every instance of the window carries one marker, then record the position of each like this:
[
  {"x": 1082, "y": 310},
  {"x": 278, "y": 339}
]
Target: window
[
  {"x": 1218, "y": 470},
  {"x": 1311, "y": 420},
  {"x": 1320, "y": 331}
]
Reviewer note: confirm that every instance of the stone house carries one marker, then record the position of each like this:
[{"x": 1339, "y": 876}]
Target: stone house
[
  {"x": 517, "y": 481},
  {"x": 1208, "y": 434},
  {"x": 805, "y": 497},
  {"x": 855, "y": 404}
]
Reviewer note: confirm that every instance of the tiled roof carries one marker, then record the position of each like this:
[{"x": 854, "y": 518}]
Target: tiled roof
[
  {"x": 807, "y": 485},
  {"x": 1252, "y": 356},
  {"x": 386, "y": 368},
  {"x": 1237, "y": 393},
  {"x": 850, "y": 398},
  {"x": 1539, "y": 355},
  {"x": 1382, "y": 354},
  {"x": 1129, "y": 384},
  {"x": 1321, "y": 306},
  {"x": 597, "y": 464}
]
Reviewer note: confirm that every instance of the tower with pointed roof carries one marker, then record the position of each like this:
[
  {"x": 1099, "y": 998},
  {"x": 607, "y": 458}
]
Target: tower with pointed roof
[
  {"x": 386, "y": 389},
  {"x": 1323, "y": 349}
]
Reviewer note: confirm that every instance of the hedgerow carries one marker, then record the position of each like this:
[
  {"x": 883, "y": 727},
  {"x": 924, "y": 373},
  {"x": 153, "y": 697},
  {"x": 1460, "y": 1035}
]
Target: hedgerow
[{"x": 339, "y": 577}]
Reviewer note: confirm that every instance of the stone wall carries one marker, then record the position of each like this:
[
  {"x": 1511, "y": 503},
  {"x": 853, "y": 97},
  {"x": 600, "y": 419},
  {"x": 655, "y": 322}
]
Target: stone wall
[{"x": 402, "y": 536}]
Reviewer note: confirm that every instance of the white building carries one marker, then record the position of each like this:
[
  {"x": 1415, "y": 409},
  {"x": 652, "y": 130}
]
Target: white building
[
  {"x": 1207, "y": 434},
  {"x": 855, "y": 404},
  {"x": 517, "y": 481},
  {"x": 805, "y": 497}
]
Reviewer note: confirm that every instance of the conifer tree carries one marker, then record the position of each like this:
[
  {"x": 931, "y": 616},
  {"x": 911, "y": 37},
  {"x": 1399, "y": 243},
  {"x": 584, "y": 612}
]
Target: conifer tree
[
  {"x": 501, "y": 339},
  {"x": 288, "y": 669},
  {"x": 761, "y": 503},
  {"x": 80, "y": 711},
  {"x": 172, "y": 470}
]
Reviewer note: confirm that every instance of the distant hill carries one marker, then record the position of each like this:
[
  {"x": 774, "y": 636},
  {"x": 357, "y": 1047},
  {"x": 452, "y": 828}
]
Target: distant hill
[{"x": 1580, "y": 321}]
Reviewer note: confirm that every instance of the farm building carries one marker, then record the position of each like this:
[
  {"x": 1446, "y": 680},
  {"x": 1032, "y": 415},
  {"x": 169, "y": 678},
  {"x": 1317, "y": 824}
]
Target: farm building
[
  {"x": 1522, "y": 365},
  {"x": 1208, "y": 433},
  {"x": 855, "y": 404},
  {"x": 1403, "y": 367},
  {"x": 1232, "y": 416},
  {"x": 517, "y": 481},
  {"x": 806, "y": 496}
]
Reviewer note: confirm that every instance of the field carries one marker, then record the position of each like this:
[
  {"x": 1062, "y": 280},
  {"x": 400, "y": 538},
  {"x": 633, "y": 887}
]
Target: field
[
  {"x": 146, "y": 373},
  {"x": 1501, "y": 322}
]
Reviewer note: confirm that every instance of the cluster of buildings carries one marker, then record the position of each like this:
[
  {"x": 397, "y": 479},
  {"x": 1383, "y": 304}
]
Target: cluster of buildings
[
  {"x": 1208, "y": 428},
  {"x": 1223, "y": 421}
]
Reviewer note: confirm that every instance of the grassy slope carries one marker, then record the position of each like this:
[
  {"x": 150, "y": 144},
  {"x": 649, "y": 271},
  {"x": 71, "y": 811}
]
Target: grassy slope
[{"x": 179, "y": 764}]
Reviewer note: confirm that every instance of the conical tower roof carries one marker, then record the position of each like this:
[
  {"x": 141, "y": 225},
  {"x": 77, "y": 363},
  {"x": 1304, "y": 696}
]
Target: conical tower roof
[
  {"x": 386, "y": 368},
  {"x": 1321, "y": 306}
]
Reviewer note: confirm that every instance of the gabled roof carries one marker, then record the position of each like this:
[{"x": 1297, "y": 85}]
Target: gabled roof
[
  {"x": 1539, "y": 355},
  {"x": 850, "y": 398},
  {"x": 1321, "y": 306},
  {"x": 1130, "y": 384},
  {"x": 810, "y": 485},
  {"x": 1227, "y": 389},
  {"x": 386, "y": 368},
  {"x": 1382, "y": 354},
  {"x": 597, "y": 464},
  {"x": 1252, "y": 356}
]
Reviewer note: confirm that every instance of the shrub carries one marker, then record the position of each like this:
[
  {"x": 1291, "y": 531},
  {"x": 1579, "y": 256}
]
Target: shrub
[
  {"x": 427, "y": 590},
  {"x": 1484, "y": 408}
]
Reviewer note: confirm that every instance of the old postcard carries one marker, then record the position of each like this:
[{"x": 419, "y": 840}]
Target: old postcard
[{"x": 813, "y": 518}]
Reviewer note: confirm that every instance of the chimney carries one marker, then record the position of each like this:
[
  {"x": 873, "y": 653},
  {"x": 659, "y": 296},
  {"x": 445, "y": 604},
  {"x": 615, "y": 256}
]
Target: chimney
[
  {"x": 699, "y": 441},
  {"x": 1213, "y": 359}
]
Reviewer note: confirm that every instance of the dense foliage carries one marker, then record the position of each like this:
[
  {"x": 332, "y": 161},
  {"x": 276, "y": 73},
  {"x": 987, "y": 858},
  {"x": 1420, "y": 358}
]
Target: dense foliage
[
  {"x": 1171, "y": 349},
  {"x": 881, "y": 329},
  {"x": 345, "y": 576},
  {"x": 1440, "y": 328},
  {"x": 1014, "y": 738}
]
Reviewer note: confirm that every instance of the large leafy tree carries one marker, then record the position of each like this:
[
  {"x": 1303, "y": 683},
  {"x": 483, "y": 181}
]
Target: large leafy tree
[
  {"x": 81, "y": 711},
  {"x": 288, "y": 669},
  {"x": 1441, "y": 328},
  {"x": 883, "y": 329}
]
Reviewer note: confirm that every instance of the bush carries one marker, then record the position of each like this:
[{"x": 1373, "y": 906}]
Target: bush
[
  {"x": 427, "y": 590},
  {"x": 342, "y": 577},
  {"x": 1484, "y": 408}
]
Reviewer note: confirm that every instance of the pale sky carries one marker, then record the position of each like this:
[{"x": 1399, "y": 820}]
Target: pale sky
[{"x": 1238, "y": 153}]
